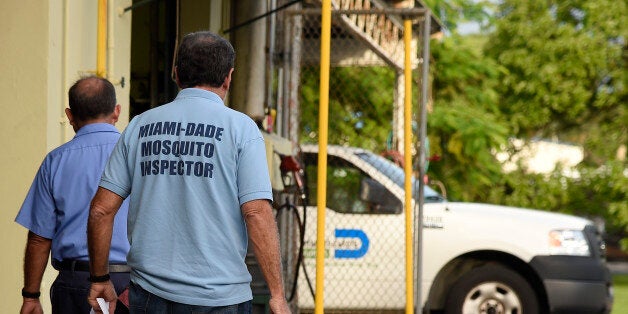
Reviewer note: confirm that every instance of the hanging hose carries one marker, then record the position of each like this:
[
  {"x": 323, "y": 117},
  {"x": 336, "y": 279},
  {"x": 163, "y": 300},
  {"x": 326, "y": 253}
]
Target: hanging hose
[
  {"x": 289, "y": 164},
  {"x": 301, "y": 224},
  {"x": 300, "y": 260}
]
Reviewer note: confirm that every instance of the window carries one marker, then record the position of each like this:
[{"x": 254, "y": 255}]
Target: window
[{"x": 349, "y": 189}]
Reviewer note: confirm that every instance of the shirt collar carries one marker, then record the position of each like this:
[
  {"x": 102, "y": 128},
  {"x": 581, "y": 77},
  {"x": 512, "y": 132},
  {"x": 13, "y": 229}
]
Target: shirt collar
[
  {"x": 96, "y": 127},
  {"x": 197, "y": 92}
]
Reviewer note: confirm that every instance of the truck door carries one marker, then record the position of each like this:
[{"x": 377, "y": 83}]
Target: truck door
[{"x": 364, "y": 239}]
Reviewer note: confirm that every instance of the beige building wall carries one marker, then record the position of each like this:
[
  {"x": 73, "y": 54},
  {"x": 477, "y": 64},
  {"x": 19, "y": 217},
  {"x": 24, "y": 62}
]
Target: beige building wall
[
  {"x": 199, "y": 15},
  {"x": 24, "y": 128},
  {"x": 46, "y": 46}
]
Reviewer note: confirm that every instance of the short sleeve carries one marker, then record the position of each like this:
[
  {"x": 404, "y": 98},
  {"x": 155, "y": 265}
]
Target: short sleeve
[
  {"x": 252, "y": 175},
  {"x": 38, "y": 210},
  {"x": 117, "y": 175}
]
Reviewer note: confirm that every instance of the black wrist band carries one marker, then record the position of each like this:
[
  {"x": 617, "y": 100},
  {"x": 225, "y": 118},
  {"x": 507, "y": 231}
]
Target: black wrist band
[
  {"x": 30, "y": 295},
  {"x": 102, "y": 278}
]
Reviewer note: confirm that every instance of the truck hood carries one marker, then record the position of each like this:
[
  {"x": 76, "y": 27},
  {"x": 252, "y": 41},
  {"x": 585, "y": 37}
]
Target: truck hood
[
  {"x": 522, "y": 216},
  {"x": 480, "y": 227}
]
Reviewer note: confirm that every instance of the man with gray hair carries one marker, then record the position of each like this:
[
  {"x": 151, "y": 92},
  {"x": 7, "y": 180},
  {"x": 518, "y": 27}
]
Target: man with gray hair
[{"x": 201, "y": 190}]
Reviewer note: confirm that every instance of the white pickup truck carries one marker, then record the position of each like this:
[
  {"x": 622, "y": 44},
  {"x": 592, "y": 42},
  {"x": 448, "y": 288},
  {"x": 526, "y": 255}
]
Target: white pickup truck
[{"x": 477, "y": 258}]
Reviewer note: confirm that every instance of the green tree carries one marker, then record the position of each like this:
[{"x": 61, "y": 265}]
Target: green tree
[
  {"x": 464, "y": 127},
  {"x": 454, "y": 12},
  {"x": 565, "y": 72},
  {"x": 360, "y": 106},
  {"x": 565, "y": 76}
]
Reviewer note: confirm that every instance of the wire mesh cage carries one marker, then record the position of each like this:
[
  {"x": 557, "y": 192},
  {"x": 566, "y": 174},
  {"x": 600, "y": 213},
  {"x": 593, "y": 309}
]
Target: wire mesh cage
[{"x": 364, "y": 225}]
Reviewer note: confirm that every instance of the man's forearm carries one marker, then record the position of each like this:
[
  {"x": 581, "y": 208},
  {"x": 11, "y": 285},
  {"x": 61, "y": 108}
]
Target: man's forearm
[
  {"x": 263, "y": 235},
  {"x": 35, "y": 261},
  {"x": 102, "y": 212}
]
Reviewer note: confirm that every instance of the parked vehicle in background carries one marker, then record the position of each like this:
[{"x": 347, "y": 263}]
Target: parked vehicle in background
[{"x": 477, "y": 258}]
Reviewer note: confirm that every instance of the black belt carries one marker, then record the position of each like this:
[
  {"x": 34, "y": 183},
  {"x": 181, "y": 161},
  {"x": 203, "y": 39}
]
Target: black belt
[{"x": 73, "y": 265}]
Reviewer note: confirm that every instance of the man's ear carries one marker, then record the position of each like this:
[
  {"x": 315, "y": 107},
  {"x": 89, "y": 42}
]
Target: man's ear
[
  {"x": 227, "y": 83},
  {"x": 176, "y": 76},
  {"x": 116, "y": 113},
  {"x": 68, "y": 113}
]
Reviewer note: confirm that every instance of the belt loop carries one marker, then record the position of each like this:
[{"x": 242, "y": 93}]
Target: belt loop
[{"x": 73, "y": 265}]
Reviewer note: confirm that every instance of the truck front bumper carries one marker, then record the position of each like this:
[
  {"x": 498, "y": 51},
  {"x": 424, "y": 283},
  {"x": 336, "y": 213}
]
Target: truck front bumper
[{"x": 575, "y": 284}]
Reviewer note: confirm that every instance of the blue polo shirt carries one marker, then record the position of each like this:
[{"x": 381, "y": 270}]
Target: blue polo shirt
[
  {"x": 190, "y": 165},
  {"x": 57, "y": 204}
]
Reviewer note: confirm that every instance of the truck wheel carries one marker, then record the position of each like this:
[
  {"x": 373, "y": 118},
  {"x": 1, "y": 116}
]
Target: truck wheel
[{"x": 492, "y": 289}]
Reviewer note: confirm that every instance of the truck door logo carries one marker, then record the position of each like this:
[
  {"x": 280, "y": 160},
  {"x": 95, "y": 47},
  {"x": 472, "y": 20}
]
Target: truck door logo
[{"x": 352, "y": 234}]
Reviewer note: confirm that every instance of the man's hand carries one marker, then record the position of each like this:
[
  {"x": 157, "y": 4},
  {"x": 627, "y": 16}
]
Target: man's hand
[
  {"x": 103, "y": 290},
  {"x": 31, "y": 306},
  {"x": 279, "y": 306}
]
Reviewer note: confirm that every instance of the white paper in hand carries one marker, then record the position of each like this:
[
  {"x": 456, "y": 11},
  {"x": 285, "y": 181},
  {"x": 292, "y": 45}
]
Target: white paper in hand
[{"x": 104, "y": 306}]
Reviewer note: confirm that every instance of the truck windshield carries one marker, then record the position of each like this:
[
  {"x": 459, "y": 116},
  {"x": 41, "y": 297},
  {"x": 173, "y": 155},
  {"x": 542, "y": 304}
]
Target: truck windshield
[{"x": 396, "y": 174}]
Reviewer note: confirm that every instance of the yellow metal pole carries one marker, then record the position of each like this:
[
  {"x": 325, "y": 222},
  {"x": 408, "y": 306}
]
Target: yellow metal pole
[
  {"x": 323, "y": 123},
  {"x": 101, "y": 45},
  {"x": 407, "y": 163}
]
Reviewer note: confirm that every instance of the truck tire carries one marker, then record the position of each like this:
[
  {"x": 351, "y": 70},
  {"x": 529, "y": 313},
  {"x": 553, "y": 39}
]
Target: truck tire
[{"x": 492, "y": 289}]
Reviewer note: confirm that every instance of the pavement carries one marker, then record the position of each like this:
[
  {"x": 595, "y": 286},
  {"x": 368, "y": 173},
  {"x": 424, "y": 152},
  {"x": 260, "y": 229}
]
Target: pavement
[{"x": 618, "y": 267}]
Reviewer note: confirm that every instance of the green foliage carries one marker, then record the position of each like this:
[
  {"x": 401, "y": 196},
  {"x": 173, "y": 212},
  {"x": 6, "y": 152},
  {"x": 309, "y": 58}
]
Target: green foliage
[
  {"x": 565, "y": 72},
  {"x": 360, "y": 106},
  {"x": 529, "y": 190},
  {"x": 602, "y": 192},
  {"x": 464, "y": 137},
  {"x": 454, "y": 12},
  {"x": 464, "y": 127}
]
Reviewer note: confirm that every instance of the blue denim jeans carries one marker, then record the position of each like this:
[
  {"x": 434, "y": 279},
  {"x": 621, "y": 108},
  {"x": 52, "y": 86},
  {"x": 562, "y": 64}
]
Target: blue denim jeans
[{"x": 142, "y": 301}]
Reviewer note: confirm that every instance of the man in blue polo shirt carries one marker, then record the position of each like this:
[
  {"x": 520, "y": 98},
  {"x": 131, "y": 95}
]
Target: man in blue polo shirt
[
  {"x": 200, "y": 189},
  {"x": 56, "y": 207}
]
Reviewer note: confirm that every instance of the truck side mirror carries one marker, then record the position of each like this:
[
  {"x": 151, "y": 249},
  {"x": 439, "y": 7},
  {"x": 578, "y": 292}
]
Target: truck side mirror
[{"x": 378, "y": 198}]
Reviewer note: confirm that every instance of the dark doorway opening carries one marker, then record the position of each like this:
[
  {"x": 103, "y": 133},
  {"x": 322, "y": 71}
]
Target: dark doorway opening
[{"x": 153, "y": 41}]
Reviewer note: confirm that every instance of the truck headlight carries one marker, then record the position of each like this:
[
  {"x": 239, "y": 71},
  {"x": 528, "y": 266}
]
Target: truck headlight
[{"x": 568, "y": 242}]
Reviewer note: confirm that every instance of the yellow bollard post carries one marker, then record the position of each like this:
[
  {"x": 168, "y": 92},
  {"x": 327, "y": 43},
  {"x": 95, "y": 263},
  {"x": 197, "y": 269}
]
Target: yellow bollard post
[
  {"x": 407, "y": 154},
  {"x": 101, "y": 45},
  {"x": 322, "y": 153}
]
